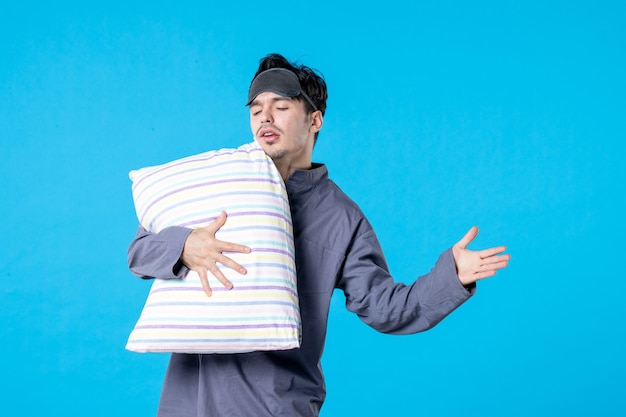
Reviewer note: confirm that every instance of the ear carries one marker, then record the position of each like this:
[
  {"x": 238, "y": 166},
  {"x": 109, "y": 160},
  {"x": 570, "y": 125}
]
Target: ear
[{"x": 317, "y": 120}]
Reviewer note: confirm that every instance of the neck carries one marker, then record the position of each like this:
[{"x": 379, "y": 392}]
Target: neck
[{"x": 286, "y": 168}]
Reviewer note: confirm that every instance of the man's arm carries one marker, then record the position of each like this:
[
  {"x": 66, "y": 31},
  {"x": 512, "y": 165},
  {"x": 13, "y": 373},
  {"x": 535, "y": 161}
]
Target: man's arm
[
  {"x": 174, "y": 251},
  {"x": 158, "y": 255},
  {"x": 396, "y": 308}
]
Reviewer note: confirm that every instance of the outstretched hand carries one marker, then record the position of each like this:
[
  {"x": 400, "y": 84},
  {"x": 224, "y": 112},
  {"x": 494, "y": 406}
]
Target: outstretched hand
[
  {"x": 472, "y": 266},
  {"x": 202, "y": 252}
]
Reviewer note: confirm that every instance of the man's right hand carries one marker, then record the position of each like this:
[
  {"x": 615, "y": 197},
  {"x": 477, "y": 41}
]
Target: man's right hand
[{"x": 202, "y": 252}]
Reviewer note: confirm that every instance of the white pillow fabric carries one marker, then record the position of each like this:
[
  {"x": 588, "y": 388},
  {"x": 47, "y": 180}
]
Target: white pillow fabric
[{"x": 261, "y": 311}]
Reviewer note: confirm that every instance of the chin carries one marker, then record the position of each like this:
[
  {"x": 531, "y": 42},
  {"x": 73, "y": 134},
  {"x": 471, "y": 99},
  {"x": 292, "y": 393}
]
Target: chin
[{"x": 275, "y": 154}]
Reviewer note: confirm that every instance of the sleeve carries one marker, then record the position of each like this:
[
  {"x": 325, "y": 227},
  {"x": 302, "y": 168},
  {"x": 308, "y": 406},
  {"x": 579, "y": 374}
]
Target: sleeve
[
  {"x": 392, "y": 307},
  {"x": 157, "y": 255}
]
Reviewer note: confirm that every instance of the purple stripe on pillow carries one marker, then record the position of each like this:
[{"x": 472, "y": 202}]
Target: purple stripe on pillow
[
  {"x": 248, "y": 341},
  {"x": 218, "y": 303},
  {"x": 272, "y": 250},
  {"x": 218, "y": 326},
  {"x": 237, "y": 214},
  {"x": 235, "y": 288}
]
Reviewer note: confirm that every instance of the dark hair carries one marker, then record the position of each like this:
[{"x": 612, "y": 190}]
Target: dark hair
[{"x": 310, "y": 80}]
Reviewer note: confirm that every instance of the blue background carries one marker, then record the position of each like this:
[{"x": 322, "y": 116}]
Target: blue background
[{"x": 508, "y": 115}]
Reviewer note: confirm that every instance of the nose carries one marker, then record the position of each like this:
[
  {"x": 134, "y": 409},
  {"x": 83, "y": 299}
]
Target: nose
[{"x": 266, "y": 115}]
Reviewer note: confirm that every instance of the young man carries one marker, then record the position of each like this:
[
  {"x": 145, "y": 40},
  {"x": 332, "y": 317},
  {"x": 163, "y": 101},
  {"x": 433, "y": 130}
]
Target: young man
[{"x": 336, "y": 247}]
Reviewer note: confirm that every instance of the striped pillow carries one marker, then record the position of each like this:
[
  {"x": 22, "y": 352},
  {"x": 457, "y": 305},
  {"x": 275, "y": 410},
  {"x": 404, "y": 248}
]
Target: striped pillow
[{"x": 261, "y": 312}]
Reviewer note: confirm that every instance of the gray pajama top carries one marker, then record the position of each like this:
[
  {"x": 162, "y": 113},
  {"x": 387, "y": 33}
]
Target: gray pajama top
[{"x": 336, "y": 247}]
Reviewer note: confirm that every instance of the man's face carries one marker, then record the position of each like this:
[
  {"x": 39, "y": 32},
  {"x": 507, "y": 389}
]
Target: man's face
[{"x": 283, "y": 129}]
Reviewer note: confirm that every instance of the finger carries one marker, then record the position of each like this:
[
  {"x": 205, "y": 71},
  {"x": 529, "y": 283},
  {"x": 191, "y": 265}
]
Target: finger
[
  {"x": 232, "y": 247},
  {"x": 486, "y": 253},
  {"x": 226, "y": 261},
  {"x": 217, "y": 223},
  {"x": 499, "y": 265},
  {"x": 469, "y": 236},
  {"x": 492, "y": 267},
  {"x": 217, "y": 273},
  {"x": 496, "y": 259},
  {"x": 204, "y": 280},
  {"x": 482, "y": 275}
]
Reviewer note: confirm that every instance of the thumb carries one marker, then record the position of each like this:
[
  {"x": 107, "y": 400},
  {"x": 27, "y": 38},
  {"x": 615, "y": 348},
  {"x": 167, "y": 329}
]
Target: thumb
[
  {"x": 217, "y": 223},
  {"x": 469, "y": 236}
]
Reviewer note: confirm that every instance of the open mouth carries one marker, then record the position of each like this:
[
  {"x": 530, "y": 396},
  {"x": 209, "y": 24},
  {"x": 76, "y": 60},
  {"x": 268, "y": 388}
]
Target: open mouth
[{"x": 268, "y": 135}]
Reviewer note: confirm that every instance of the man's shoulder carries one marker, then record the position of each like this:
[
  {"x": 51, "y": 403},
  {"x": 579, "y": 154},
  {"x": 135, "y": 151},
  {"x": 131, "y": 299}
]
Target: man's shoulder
[
  {"x": 338, "y": 198},
  {"x": 315, "y": 190}
]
